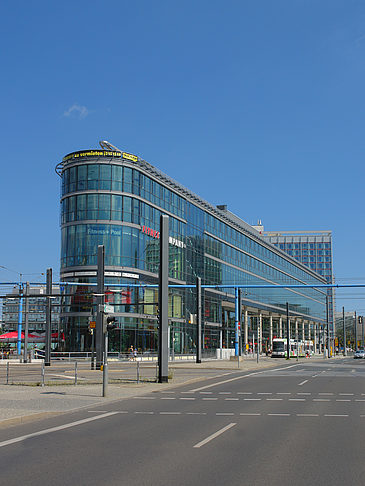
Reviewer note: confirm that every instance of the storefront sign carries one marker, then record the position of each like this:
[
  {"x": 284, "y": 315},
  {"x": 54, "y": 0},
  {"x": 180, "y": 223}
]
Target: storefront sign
[
  {"x": 156, "y": 234},
  {"x": 134, "y": 158}
]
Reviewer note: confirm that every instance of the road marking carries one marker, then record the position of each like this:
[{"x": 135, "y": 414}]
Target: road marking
[
  {"x": 321, "y": 400},
  {"x": 55, "y": 429},
  {"x": 265, "y": 393},
  {"x": 97, "y": 411},
  {"x": 168, "y": 392},
  {"x": 224, "y": 413},
  {"x": 196, "y": 413},
  {"x": 144, "y": 413},
  {"x": 206, "y": 393},
  {"x": 297, "y": 399},
  {"x": 343, "y": 400},
  {"x": 250, "y": 414},
  {"x": 213, "y": 436},
  {"x": 303, "y": 383},
  {"x": 146, "y": 398},
  {"x": 283, "y": 393},
  {"x": 346, "y": 394},
  {"x": 274, "y": 399},
  {"x": 304, "y": 393},
  {"x": 244, "y": 393},
  {"x": 186, "y": 398},
  {"x": 239, "y": 378},
  {"x": 359, "y": 400},
  {"x": 170, "y": 413},
  {"x": 333, "y": 415},
  {"x": 224, "y": 393},
  {"x": 209, "y": 398},
  {"x": 252, "y": 399},
  {"x": 326, "y": 394},
  {"x": 307, "y": 415},
  {"x": 231, "y": 399},
  {"x": 168, "y": 398},
  {"x": 278, "y": 414}
]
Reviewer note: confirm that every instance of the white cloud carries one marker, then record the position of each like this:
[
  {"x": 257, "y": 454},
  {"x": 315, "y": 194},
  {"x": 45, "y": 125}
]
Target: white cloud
[{"x": 77, "y": 110}]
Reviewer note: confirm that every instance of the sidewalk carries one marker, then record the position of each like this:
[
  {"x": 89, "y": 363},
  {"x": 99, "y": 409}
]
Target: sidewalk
[{"x": 20, "y": 404}]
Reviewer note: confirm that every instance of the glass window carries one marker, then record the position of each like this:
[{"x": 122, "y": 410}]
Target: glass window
[
  {"x": 127, "y": 209},
  {"x": 81, "y": 177},
  {"x": 116, "y": 207},
  {"x": 92, "y": 206},
  {"x": 92, "y": 176},
  {"x": 104, "y": 206},
  {"x": 105, "y": 177},
  {"x": 117, "y": 177},
  {"x": 127, "y": 187},
  {"x": 81, "y": 207},
  {"x": 72, "y": 182}
]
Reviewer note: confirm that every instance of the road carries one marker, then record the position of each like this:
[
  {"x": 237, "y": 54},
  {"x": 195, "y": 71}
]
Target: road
[{"x": 299, "y": 423}]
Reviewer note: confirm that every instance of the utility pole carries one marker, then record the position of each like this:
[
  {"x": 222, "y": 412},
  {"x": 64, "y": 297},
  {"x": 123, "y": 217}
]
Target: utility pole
[
  {"x": 47, "y": 354},
  {"x": 287, "y": 332},
  {"x": 328, "y": 329},
  {"x": 198, "y": 320},
  {"x": 163, "y": 301},
  {"x": 26, "y": 324},
  {"x": 355, "y": 331},
  {"x": 344, "y": 332},
  {"x": 20, "y": 317},
  {"x": 100, "y": 299}
]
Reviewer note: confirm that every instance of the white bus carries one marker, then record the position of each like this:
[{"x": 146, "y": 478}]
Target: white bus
[{"x": 279, "y": 348}]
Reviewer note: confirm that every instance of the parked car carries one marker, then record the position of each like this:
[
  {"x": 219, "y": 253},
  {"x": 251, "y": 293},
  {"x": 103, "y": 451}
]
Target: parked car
[{"x": 359, "y": 354}]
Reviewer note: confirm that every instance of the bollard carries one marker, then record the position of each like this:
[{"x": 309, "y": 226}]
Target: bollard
[
  {"x": 7, "y": 373},
  {"x": 137, "y": 371},
  {"x": 75, "y": 373},
  {"x": 42, "y": 371}
]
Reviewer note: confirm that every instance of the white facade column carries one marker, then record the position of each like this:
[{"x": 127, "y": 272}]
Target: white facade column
[
  {"x": 260, "y": 332},
  {"x": 309, "y": 331},
  {"x": 280, "y": 327},
  {"x": 270, "y": 333},
  {"x": 303, "y": 331}
]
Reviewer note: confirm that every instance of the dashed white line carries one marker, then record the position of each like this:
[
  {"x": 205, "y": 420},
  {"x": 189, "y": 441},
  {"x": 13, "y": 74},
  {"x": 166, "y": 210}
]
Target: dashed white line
[
  {"x": 264, "y": 393},
  {"x": 321, "y": 400},
  {"x": 170, "y": 413},
  {"x": 303, "y": 383},
  {"x": 278, "y": 414},
  {"x": 213, "y": 436},
  {"x": 209, "y": 398},
  {"x": 225, "y": 393},
  {"x": 307, "y": 414},
  {"x": 168, "y": 398},
  {"x": 144, "y": 413},
  {"x": 297, "y": 399},
  {"x": 224, "y": 413},
  {"x": 274, "y": 399},
  {"x": 334, "y": 415},
  {"x": 196, "y": 413},
  {"x": 252, "y": 399},
  {"x": 329, "y": 394},
  {"x": 244, "y": 393},
  {"x": 250, "y": 414},
  {"x": 343, "y": 400},
  {"x": 346, "y": 394},
  {"x": 231, "y": 399},
  {"x": 187, "y": 398}
]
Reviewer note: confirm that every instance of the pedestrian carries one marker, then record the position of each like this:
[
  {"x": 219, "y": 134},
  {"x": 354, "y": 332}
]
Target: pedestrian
[
  {"x": 131, "y": 353},
  {"x": 135, "y": 352}
]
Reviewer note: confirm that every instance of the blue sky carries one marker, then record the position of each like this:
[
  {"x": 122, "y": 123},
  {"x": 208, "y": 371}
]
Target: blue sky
[{"x": 255, "y": 104}]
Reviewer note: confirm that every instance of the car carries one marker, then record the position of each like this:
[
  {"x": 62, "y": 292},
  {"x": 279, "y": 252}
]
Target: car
[{"x": 359, "y": 354}]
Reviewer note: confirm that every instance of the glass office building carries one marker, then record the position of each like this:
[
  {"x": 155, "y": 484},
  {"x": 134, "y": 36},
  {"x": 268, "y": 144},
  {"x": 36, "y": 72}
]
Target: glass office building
[
  {"x": 313, "y": 249},
  {"x": 115, "y": 199}
]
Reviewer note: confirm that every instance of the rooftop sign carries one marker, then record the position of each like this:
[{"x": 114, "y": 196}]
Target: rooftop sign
[{"x": 100, "y": 153}]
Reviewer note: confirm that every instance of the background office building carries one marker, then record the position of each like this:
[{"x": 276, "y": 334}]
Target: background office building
[
  {"x": 114, "y": 198},
  {"x": 313, "y": 249}
]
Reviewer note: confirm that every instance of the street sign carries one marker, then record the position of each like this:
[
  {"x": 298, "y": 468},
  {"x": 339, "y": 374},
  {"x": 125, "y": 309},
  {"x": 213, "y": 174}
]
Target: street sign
[{"x": 108, "y": 309}]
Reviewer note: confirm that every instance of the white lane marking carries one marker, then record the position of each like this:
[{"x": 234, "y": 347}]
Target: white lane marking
[
  {"x": 244, "y": 393},
  {"x": 274, "y": 399},
  {"x": 283, "y": 393},
  {"x": 321, "y": 400},
  {"x": 297, "y": 399},
  {"x": 304, "y": 393},
  {"x": 333, "y": 415},
  {"x": 307, "y": 415},
  {"x": 252, "y": 399},
  {"x": 303, "y": 383},
  {"x": 326, "y": 394},
  {"x": 239, "y": 378},
  {"x": 231, "y": 399},
  {"x": 251, "y": 414},
  {"x": 343, "y": 400},
  {"x": 189, "y": 392},
  {"x": 168, "y": 392},
  {"x": 168, "y": 398},
  {"x": 346, "y": 394},
  {"x": 55, "y": 429},
  {"x": 224, "y": 413},
  {"x": 144, "y": 413},
  {"x": 264, "y": 393},
  {"x": 224, "y": 393},
  {"x": 187, "y": 398},
  {"x": 278, "y": 414},
  {"x": 65, "y": 376},
  {"x": 359, "y": 400},
  {"x": 170, "y": 413},
  {"x": 206, "y": 393},
  {"x": 213, "y": 436},
  {"x": 97, "y": 411},
  {"x": 196, "y": 413},
  {"x": 209, "y": 398}
]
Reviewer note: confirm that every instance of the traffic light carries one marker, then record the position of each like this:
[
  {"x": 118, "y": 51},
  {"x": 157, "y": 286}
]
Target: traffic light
[{"x": 109, "y": 323}]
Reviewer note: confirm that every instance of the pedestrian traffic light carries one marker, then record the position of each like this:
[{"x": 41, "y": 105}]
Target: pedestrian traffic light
[{"x": 109, "y": 323}]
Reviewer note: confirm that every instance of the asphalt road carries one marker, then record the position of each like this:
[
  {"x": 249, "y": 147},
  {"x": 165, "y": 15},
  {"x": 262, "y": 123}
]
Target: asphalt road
[{"x": 300, "y": 423}]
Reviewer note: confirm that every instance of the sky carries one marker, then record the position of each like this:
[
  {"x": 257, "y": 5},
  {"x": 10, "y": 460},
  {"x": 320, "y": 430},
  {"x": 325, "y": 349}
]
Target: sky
[{"x": 257, "y": 104}]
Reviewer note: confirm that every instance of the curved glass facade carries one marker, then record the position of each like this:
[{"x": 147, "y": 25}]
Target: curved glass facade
[{"x": 115, "y": 199}]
